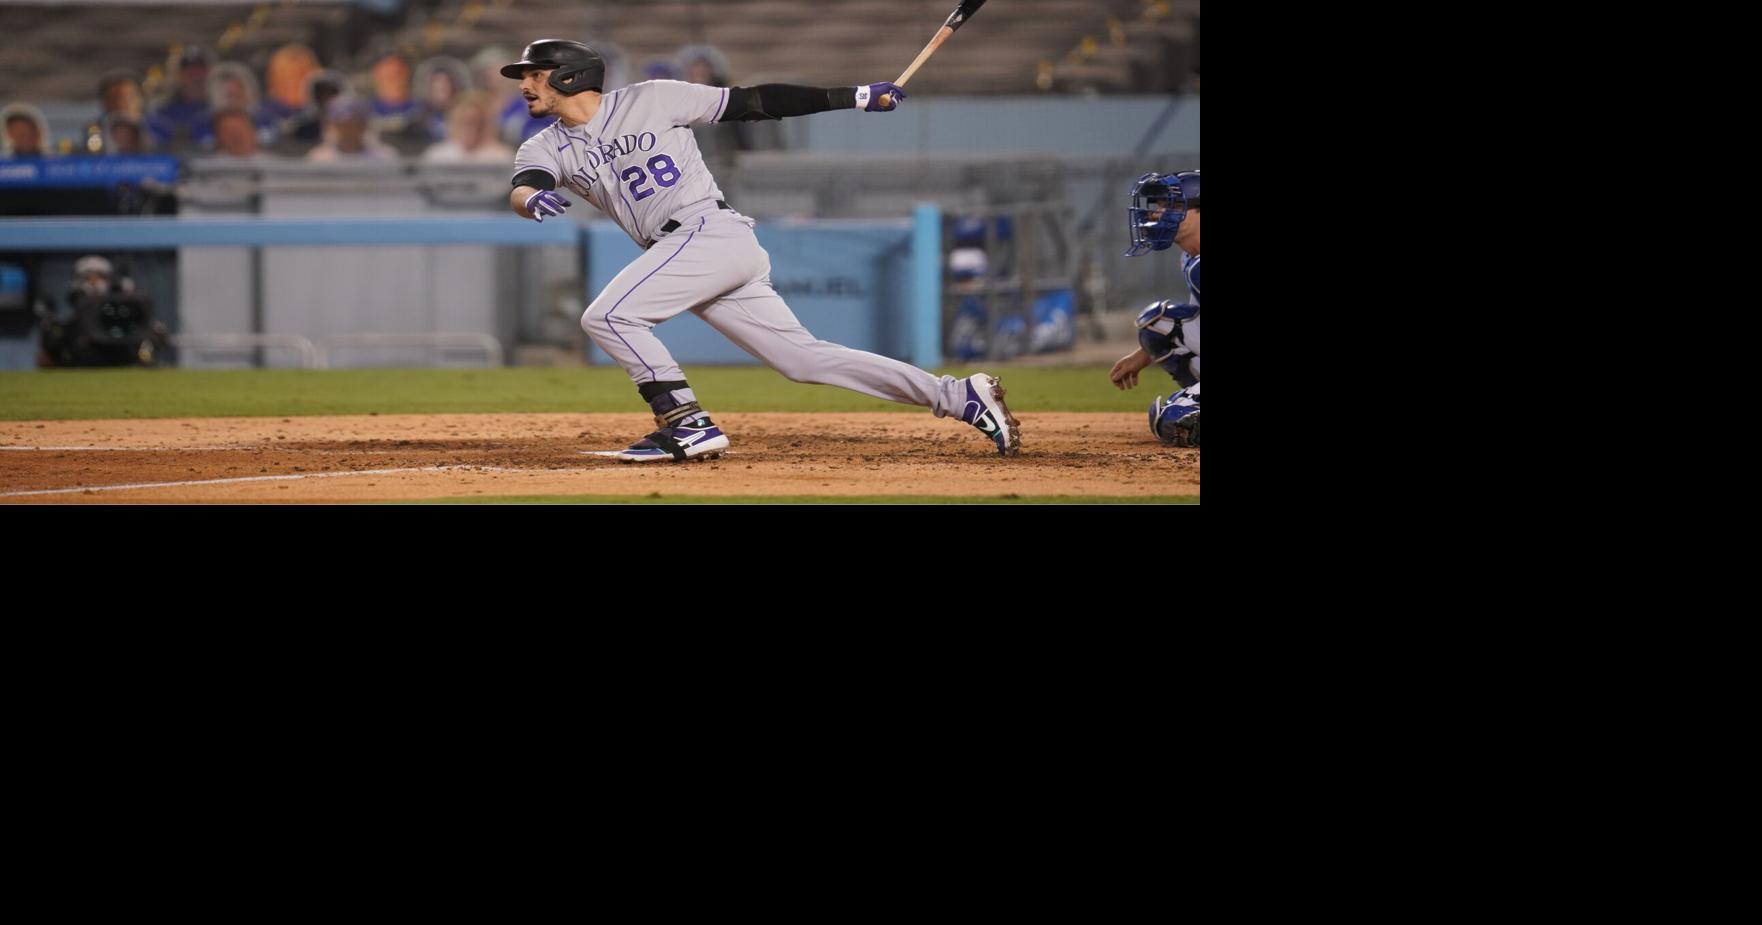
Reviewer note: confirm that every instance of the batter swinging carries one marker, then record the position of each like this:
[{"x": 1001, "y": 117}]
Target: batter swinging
[{"x": 632, "y": 154}]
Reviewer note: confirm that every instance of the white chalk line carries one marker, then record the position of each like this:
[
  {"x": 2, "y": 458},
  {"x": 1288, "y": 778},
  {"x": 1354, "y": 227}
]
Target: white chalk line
[
  {"x": 263, "y": 478},
  {"x": 82, "y": 449}
]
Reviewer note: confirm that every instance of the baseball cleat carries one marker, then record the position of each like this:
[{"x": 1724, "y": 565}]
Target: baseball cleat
[
  {"x": 985, "y": 410},
  {"x": 1176, "y": 424},
  {"x": 678, "y": 444}
]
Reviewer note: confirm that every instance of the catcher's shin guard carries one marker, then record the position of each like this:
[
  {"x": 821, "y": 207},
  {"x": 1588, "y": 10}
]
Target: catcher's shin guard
[{"x": 1175, "y": 420}]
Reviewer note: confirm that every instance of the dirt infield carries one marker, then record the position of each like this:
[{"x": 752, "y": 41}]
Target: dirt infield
[{"x": 420, "y": 456}]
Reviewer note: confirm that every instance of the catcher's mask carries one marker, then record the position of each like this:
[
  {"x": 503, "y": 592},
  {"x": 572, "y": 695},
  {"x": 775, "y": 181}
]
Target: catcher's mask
[{"x": 1173, "y": 194}]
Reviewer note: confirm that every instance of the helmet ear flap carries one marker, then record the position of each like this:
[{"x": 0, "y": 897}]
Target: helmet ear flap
[
  {"x": 574, "y": 67},
  {"x": 1189, "y": 187}
]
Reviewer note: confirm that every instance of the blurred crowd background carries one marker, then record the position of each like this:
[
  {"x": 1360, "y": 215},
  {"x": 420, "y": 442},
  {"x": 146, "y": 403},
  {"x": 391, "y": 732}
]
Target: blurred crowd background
[
  {"x": 1027, "y": 127},
  {"x": 335, "y": 79}
]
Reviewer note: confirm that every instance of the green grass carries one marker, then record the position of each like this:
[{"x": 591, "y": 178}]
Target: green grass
[
  {"x": 809, "y": 499},
  {"x": 79, "y": 394}
]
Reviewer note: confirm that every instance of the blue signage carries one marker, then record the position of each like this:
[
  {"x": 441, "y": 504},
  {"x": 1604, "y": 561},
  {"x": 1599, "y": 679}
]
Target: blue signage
[{"x": 66, "y": 172}]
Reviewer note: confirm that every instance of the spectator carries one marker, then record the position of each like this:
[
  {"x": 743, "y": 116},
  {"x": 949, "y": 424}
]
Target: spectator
[
  {"x": 27, "y": 132},
  {"x": 233, "y": 86},
  {"x": 660, "y": 69},
  {"x": 703, "y": 64},
  {"x": 441, "y": 81},
  {"x": 289, "y": 77},
  {"x": 514, "y": 120},
  {"x": 120, "y": 93},
  {"x": 617, "y": 63},
  {"x": 397, "y": 119},
  {"x": 718, "y": 143},
  {"x": 184, "y": 122},
  {"x": 348, "y": 136},
  {"x": 305, "y": 129},
  {"x": 392, "y": 105},
  {"x": 486, "y": 69},
  {"x": 124, "y": 135},
  {"x": 471, "y": 135},
  {"x": 235, "y": 134}
]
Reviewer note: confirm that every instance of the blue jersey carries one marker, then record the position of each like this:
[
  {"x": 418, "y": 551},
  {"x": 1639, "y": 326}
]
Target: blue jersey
[
  {"x": 180, "y": 123},
  {"x": 1190, "y": 327}
]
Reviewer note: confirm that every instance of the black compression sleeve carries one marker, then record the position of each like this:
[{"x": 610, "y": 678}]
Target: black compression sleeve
[
  {"x": 774, "y": 101},
  {"x": 537, "y": 179}
]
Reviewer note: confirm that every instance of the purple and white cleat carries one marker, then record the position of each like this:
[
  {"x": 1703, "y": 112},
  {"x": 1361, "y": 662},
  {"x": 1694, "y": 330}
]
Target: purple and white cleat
[
  {"x": 985, "y": 410},
  {"x": 678, "y": 444}
]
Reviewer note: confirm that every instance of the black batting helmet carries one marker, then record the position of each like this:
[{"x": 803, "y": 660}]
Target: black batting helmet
[{"x": 574, "y": 67}]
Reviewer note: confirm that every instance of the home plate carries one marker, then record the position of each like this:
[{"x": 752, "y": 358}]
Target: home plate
[{"x": 713, "y": 454}]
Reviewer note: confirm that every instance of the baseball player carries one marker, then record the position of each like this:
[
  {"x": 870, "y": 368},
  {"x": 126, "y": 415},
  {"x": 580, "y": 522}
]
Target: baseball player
[
  {"x": 632, "y": 154},
  {"x": 1165, "y": 212}
]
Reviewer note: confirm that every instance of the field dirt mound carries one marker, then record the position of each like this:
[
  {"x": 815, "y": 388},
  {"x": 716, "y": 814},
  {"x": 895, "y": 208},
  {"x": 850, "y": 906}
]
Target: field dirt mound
[{"x": 414, "y": 456}]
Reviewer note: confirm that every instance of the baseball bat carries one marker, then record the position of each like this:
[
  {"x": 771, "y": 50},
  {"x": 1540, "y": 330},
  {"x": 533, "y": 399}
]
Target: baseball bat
[{"x": 956, "y": 19}]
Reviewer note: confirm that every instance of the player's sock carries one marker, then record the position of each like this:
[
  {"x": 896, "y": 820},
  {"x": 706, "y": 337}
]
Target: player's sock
[{"x": 672, "y": 405}]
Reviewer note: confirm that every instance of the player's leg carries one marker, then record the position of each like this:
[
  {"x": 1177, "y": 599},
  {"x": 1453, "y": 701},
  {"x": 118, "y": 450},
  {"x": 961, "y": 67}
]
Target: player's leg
[
  {"x": 757, "y": 320},
  {"x": 1170, "y": 333},
  {"x": 682, "y": 270},
  {"x": 654, "y": 287},
  {"x": 1175, "y": 420}
]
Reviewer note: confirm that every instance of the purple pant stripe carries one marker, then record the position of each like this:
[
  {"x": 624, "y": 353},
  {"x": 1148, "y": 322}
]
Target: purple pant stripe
[{"x": 645, "y": 363}]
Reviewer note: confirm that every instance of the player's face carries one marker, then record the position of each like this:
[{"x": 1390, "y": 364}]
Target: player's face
[{"x": 541, "y": 100}]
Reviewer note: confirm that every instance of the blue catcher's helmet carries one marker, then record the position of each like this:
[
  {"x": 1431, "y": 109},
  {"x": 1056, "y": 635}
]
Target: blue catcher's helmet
[{"x": 1174, "y": 194}]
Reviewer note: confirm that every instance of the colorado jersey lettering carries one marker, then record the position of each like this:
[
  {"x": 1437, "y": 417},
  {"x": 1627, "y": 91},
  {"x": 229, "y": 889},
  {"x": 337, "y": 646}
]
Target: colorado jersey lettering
[{"x": 636, "y": 159}]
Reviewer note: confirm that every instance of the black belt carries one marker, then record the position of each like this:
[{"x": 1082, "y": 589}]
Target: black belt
[{"x": 673, "y": 226}]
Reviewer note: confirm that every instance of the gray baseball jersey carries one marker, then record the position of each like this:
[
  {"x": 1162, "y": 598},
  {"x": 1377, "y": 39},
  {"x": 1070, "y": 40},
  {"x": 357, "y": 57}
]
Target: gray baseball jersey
[{"x": 636, "y": 159}]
